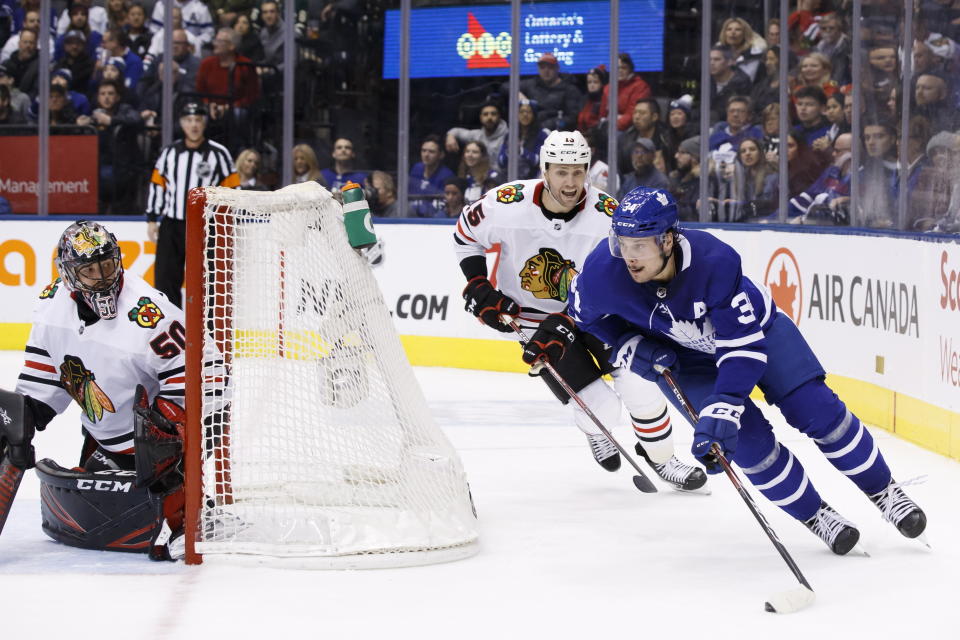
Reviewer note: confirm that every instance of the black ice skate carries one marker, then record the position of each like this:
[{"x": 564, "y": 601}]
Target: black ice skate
[
  {"x": 604, "y": 451},
  {"x": 680, "y": 476},
  {"x": 898, "y": 509},
  {"x": 839, "y": 533}
]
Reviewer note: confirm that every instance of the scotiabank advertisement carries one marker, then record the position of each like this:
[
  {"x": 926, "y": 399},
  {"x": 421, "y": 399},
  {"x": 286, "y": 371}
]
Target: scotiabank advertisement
[
  {"x": 883, "y": 310},
  {"x": 73, "y": 173}
]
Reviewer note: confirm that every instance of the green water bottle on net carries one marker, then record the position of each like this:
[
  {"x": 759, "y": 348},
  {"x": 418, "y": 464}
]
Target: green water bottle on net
[{"x": 356, "y": 217}]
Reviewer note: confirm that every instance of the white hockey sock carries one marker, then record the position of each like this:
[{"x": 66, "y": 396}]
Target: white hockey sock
[
  {"x": 604, "y": 404},
  {"x": 655, "y": 434},
  {"x": 648, "y": 412}
]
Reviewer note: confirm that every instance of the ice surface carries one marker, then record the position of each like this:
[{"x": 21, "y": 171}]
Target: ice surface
[{"x": 568, "y": 551}]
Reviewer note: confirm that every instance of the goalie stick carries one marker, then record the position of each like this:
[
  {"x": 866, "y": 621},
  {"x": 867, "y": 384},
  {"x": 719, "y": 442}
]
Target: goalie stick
[
  {"x": 788, "y": 601},
  {"x": 10, "y": 477},
  {"x": 641, "y": 481}
]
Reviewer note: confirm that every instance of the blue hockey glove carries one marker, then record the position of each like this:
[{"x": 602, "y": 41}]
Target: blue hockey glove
[
  {"x": 640, "y": 354},
  {"x": 719, "y": 423}
]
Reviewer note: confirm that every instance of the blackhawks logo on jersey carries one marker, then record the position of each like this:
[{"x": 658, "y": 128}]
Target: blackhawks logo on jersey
[
  {"x": 146, "y": 314},
  {"x": 510, "y": 193},
  {"x": 547, "y": 275},
  {"x": 50, "y": 290},
  {"x": 606, "y": 204},
  {"x": 81, "y": 384}
]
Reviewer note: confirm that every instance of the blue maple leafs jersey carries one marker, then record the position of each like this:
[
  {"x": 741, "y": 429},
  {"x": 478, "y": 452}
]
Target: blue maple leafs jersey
[{"x": 709, "y": 312}]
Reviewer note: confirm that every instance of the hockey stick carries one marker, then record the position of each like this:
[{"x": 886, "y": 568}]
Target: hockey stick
[
  {"x": 10, "y": 477},
  {"x": 788, "y": 601},
  {"x": 641, "y": 481}
]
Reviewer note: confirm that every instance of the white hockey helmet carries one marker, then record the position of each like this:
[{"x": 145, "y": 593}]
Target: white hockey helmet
[{"x": 564, "y": 147}]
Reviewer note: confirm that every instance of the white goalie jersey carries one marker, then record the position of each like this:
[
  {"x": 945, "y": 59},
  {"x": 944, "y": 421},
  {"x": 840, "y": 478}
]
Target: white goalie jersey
[
  {"x": 538, "y": 256},
  {"x": 100, "y": 365}
]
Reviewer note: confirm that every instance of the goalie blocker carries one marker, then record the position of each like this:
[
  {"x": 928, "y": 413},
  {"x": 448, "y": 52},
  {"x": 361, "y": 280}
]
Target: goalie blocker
[{"x": 133, "y": 510}]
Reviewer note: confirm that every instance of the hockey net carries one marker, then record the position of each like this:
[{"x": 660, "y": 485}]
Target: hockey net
[{"x": 308, "y": 435}]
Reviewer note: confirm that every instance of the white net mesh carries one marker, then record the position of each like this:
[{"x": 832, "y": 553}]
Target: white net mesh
[{"x": 317, "y": 438}]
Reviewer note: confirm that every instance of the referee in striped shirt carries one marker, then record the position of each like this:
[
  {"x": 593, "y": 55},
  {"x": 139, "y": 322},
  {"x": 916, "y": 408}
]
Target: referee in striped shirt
[{"x": 191, "y": 162}]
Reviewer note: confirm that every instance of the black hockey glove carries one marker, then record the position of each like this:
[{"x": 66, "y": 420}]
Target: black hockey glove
[
  {"x": 555, "y": 334},
  {"x": 488, "y": 304}
]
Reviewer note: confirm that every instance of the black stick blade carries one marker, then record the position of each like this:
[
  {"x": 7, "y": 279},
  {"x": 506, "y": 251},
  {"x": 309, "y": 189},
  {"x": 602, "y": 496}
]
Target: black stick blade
[{"x": 643, "y": 483}]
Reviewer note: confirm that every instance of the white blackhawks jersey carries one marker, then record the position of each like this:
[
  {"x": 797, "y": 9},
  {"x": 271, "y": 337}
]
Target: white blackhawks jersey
[
  {"x": 100, "y": 365},
  {"x": 538, "y": 256}
]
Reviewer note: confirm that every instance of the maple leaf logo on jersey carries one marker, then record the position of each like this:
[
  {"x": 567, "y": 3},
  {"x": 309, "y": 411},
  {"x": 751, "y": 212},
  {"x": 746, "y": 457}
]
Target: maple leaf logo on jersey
[
  {"x": 606, "y": 204},
  {"x": 50, "y": 290},
  {"x": 80, "y": 383},
  {"x": 694, "y": 336},
  {"x": 547, "y": 275},
  {"x": 510, "y": 193},
  {"x": 146, "y": 314}
]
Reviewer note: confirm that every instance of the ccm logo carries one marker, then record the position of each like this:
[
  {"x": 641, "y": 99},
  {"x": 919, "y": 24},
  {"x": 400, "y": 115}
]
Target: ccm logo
[{"x": 104, "y": 485}]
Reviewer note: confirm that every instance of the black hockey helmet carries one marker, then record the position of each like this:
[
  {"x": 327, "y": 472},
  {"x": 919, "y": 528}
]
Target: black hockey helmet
[{"x": 88, "y": 258}]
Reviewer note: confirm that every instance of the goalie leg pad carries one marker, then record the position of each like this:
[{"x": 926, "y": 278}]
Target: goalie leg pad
[{"x": 101, "y": 510}]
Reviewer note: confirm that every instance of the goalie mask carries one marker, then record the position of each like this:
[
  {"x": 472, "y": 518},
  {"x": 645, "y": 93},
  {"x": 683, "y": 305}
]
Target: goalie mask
[{"x": 88, "y": 259}]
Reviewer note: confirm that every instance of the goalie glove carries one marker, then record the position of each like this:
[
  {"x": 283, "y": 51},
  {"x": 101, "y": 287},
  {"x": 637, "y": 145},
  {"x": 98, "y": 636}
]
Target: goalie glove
[
  {"x": 555, "y": 334},
  {"x": 719, "y": 423},
  {"x": 157, "y": 436},
  {"x": 489, "y": 304}
]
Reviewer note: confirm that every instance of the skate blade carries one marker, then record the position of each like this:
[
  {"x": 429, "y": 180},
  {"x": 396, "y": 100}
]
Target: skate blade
[
  {"x": 858, "y": 548},
  {"x": 703, "y": 491},
  {"x": 922, "y": 539}
]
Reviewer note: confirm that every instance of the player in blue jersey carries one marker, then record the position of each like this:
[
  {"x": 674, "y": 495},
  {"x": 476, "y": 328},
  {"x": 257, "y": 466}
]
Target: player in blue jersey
[{"x": 678, "y": 298}]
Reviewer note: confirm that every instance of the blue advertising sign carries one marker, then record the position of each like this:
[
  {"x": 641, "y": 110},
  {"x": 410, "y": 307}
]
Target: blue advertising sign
[{"x": 474, "y": 40}]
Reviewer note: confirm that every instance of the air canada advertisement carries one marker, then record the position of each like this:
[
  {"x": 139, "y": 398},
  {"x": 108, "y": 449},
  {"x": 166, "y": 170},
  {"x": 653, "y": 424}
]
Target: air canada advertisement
[{"x": 876, "y": 309}]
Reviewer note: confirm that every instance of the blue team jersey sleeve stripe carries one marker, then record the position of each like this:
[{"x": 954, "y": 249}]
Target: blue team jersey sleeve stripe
[
  {"x": 740, "y": 342},
  {"x": 768, "y": 306},
  {"x": 762, "y": 357}
]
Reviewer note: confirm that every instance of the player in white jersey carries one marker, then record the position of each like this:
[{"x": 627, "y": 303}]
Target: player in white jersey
[
  {"x": 545, "y": 229},
  {"x": 110, "y": 342}
]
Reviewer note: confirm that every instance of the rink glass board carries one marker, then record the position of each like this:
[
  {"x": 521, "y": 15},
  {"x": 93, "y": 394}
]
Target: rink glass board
[{"x": 474, "y": 40}]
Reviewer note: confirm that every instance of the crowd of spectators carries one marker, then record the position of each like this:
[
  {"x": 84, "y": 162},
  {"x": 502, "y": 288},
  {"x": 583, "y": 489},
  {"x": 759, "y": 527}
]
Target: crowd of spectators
[{"x": 107, "y": 65}]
